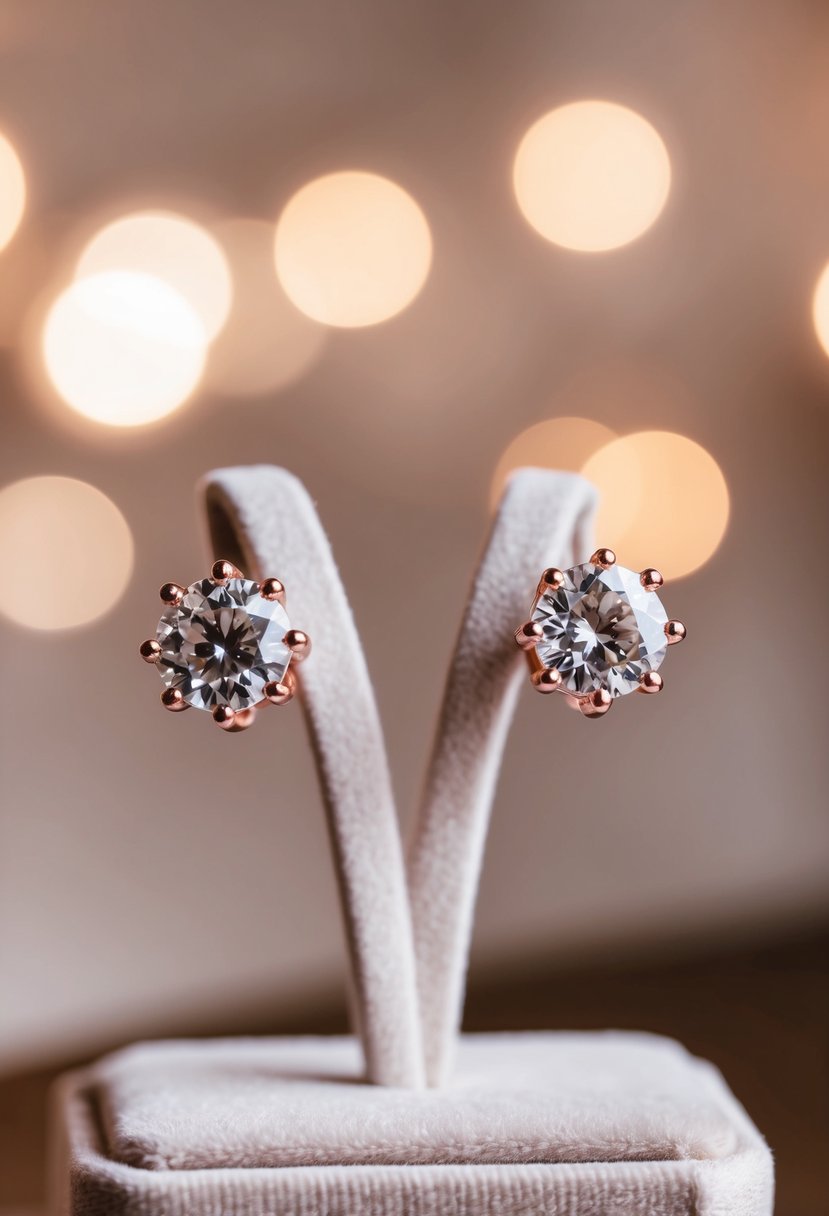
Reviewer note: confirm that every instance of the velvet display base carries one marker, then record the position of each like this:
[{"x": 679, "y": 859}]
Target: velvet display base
[{"x": 528, "y": 1123}]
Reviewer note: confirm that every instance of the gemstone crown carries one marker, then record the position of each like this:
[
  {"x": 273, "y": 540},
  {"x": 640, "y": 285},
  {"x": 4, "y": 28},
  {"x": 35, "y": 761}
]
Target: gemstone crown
[
  {"x": 600, "y": 629},
  {"x": 222, "y": 643}
]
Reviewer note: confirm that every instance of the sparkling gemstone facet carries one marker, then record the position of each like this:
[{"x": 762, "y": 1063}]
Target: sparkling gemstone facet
[
  {"x": 601, "y": 629},
  {"x": 221, "y": 645}
]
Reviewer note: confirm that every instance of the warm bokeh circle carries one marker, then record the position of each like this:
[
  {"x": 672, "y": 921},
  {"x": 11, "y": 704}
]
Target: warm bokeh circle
[
  {"x": 820, "y": 309},
  {"x": 123, "y": 348},
  {"x": 591, "y": 175},
  {"x": 554, "y": 443},
  {"x": 67, "y": 552},
  {"x": 682, "y": 501},
  {"x": 170, "y": 247},
  {"x": 12, "y": 191},
  {"x": 352, "y": 249}
]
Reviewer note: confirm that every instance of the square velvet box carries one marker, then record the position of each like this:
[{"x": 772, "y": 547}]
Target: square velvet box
[{"x": 530, "y": 1123}]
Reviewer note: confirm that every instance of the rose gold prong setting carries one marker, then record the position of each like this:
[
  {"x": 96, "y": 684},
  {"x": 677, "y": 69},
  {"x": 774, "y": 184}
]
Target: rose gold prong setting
[
  {"x": 298, "y": 643},
  {"x": 651, "y": 579},
  {"x": 546, "y": 680},
  {"x": 223, "y": 571},
  {"x": 281, "y": 692},
  {"x": 171, "y": 594},
  {"x": 596, "y": 704},
  {"x": 173, "y": 700},
  {"x": 244, "y": 719},
  {"x": 226, "y": 643},
  {"x": 150, "y": 651},
  {"x": 272, "y": 589},
  {"x": 551, "y": 579},
  {"x": 675, "y": 632},
  {"x": 586, "y": 653},
  {"x": 529, "y": 635},
  {"x": 224, "y": 717}
]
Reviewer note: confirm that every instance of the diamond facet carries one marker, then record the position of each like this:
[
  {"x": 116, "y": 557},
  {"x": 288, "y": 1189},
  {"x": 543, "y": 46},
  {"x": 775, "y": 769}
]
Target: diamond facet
[
  {"x": 220, "y": 645},
  {"x": 601, "y": 629}
]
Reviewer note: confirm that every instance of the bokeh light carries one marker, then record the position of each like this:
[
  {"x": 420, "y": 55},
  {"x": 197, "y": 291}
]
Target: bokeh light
[
  {"x": 67, "y": 552},
  {"x": 352, "y": 249},
  {"x": 820, "y": 309},
  {"x": 123, "y": 348},
  {"x": 169, "y": 247},
  {"x": 12, "y": 191},
  {"x": 267, "y": 343},
  {"x": 682, "y": 497},
  {"x": 555, "y": 443},
  {"x": 592, "y": 175}
]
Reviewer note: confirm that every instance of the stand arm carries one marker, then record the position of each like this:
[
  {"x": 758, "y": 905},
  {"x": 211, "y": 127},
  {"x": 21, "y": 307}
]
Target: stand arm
[
  {"x": 263, "y": 519},
  {"x": 543, "y": 519}
]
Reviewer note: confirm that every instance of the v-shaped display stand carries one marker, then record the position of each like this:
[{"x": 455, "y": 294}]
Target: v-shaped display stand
[{"x": 408, "y": 1117}]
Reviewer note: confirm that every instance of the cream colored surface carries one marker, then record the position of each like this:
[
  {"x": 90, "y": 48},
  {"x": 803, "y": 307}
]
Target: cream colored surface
[{"x": 529, "y": 1125}]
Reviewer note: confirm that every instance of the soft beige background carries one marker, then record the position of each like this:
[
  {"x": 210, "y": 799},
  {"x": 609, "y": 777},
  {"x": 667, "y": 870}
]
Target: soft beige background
[{"x": 151, "y": 869}]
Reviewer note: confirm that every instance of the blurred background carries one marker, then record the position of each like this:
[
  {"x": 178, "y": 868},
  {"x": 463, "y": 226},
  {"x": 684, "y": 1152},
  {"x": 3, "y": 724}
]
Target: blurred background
[{"x": 402, "y": 249}]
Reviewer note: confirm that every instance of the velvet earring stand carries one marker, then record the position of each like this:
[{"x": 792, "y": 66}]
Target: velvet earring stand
[{"x": 582, "y": 1124}]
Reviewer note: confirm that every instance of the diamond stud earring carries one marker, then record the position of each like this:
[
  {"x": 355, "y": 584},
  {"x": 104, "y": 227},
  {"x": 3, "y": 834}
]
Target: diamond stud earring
[
  {"x": 597, "y": 632},
  {"x": 225, "y": 644}
]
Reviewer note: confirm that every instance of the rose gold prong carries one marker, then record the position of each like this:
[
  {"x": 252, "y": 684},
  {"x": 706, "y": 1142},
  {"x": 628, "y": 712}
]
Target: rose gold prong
[
  {"x": 298, "y": 643},
  {"x": 171, "y": 594},
  {"x": 674, "y": 632},
  {"x": 173, "y": 700},
  {"x": 281, "y": 692},
  {"x": 546, "y": 680},
  {"x": 651, "y": 579},
  {"x": 651, "y": 681},
  {"x": 150, "y": 650},
  {"x": 223, "y": 571},
  {"x": 604, "y": 558},
  {"x": 596, "y": 704},
  {"x": 272, "y": 589},
  {"x": 244, "y": 718},
  {"x": 224, "y": 716},
  {"x": 551, "y": 579},
  {"x": 529, "y": 634}
]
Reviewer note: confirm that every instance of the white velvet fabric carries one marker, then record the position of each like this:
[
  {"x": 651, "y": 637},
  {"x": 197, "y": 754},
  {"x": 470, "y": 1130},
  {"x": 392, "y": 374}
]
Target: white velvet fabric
[
  {"x": 544, "y": 519},
  {"x": 262, "y": 518},
  {"x": 558, "y": 1123},
  {"x": 522, "y": 1097}
]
